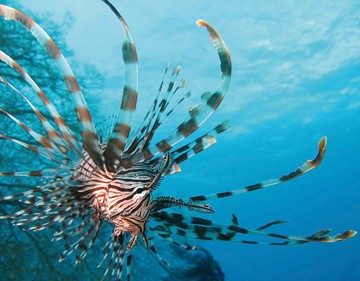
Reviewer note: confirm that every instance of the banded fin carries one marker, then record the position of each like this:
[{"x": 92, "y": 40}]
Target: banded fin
[
  {"x": 270, "y": 224},
  {"x": 184, "y": 98},
  {"x": 87, "y": 239},
  {"x": 161, "y": 108},
  {"x": 88, "y": 132},
  {"x": 54, "y": 172},
  {"x": 45, "y": 152},
  {"x": 192, "y": 124},
  {"x": 153, "y": 250},
  {"x": 304, "y": 168},
  {"x": 48, "y": 150},
  {"x": 152, "y": 120},
  {"x": 119, "y": 137},
  {"x": 200, "y": 144},
  {"x": 69, "y": 136},
  {"x": 116, "y": 245},
  {"x": 128, "y": 266},
  {"x": 51, "y": 133},
  {"x": 138, "y": 137},
  {"x": 162, "y": 232},
  {"x": 177, "y": 224}
]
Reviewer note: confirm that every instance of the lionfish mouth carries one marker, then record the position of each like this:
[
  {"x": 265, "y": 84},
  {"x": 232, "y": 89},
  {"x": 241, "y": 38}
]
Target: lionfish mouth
[{"x": 114, "y": 181}]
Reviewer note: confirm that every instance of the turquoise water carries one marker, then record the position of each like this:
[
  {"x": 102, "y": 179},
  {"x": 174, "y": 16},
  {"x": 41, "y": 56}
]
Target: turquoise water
[{"x": 296, "y": 78}]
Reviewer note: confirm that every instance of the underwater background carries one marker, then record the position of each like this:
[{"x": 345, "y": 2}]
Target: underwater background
[{"x": 296, "y": 78}]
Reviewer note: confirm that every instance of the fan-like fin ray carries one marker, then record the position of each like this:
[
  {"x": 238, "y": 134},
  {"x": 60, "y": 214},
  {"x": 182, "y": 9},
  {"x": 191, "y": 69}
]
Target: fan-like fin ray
[
  {"x": 152, "y": 248},
  {"x": 88, "y": 132},
  {"x": 162, "y": 106},
  {"x": 128, "y": 266},
  {"x": 162, "y": 232},
  {"x": 49, "y": 129},
  {"x": 54, "y": 172},
  {"x": 138, "y": 137},
  {"x": 211, "y": 103},
  {"x": 204, "y": 229},
  {"x": 69, "y": 136},
  {"x": 48, "y": 153},
  {"x": 116, "y": 245}
]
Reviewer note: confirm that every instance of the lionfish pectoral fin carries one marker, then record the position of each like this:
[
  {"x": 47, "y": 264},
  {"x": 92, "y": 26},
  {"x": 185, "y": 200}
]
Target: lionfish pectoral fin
[
  {"x": 53, "y": 139},
  {"x": 87, "y": 128},
  {"x": 128, "y": 266},
  {"x": 167, "y": 236},
  {"x": 304, "y": 168},
  {"x": 153, "y": 250},
  {"x": 52, "y": 135},
  {"x": 177, "y": 224}
]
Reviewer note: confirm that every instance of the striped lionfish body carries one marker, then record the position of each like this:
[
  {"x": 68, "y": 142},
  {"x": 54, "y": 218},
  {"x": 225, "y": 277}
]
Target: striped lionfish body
[{"x": 95, "y": 182}]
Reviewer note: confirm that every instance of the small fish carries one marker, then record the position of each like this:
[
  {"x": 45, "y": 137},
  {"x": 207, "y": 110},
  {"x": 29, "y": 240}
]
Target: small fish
[{"x": 96, "y": 182}]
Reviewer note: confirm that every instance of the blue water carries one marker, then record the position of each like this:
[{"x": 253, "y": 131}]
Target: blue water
[{"x": 296, "y": 78}]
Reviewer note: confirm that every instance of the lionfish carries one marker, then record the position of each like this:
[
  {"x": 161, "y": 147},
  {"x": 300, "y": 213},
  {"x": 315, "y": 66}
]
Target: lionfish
[{"x": 94, "y": 182}]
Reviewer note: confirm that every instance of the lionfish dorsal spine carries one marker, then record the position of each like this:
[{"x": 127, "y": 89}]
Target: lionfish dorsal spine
[
  {"x": 119, "y": 136},
  {"x": 155, "y": 117},
  {"x": 152, "y": 120},
  {"x": 193, "y": 123},
  {"x": 138, "y": 136}
]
